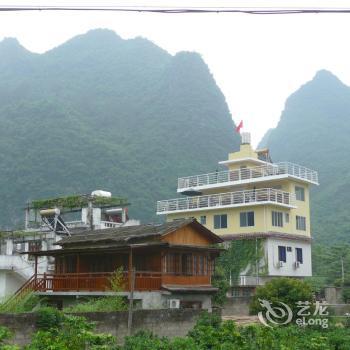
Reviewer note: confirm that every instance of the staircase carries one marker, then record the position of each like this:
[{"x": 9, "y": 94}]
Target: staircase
[{"x": 22, "y": 292}]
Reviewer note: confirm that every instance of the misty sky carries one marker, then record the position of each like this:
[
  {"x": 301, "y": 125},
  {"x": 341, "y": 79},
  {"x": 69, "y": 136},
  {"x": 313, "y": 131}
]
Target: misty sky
[{"x": 257, "y": 61}]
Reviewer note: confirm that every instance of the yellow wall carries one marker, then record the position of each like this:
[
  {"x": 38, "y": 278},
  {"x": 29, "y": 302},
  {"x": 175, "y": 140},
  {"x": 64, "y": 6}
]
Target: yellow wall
[{"x": 262, "y": 214}]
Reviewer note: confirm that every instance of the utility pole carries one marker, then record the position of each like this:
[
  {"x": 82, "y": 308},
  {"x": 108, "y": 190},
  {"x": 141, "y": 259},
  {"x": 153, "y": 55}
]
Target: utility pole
[{"x": 131, "y": 299}]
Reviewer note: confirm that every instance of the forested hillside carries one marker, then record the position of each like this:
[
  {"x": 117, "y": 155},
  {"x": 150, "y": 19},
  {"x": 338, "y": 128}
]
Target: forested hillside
[
  {"x": 314, "y": 131},
  {"x": 100, "y": 112}
]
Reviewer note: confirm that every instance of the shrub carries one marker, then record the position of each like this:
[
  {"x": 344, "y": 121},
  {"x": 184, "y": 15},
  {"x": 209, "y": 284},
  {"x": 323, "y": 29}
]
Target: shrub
[
  {"x": 219, "y": 280},
  {"x": 104, "y": 304},
  {"x": 6, "y": 335},
  {"x": 49, "y": 318},
  {"x": 68, "y": 332},
  {"x": 145, "y": 340},
  {"x": 286, "y": 290},
  {"x": 22, "y": 303}
]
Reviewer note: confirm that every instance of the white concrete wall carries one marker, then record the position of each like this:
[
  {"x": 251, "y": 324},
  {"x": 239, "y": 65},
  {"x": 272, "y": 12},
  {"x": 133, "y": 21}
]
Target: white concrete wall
[{"x": 289, "y": 269}]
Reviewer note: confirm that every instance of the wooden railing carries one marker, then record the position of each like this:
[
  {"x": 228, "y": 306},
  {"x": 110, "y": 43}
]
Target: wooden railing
[{"x": 94, "y": 281}]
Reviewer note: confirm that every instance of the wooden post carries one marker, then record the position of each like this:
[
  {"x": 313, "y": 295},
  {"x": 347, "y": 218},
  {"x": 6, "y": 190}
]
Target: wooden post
[
  {"x": 130, "y": 268},
  {"x": 35, "y": 270},
  {"x": 131, "y": 299},
  {"x": 77, "y": 271}
]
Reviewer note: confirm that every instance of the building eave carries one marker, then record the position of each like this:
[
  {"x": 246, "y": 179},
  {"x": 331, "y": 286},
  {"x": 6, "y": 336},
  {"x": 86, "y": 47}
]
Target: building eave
[{"x": 265, "y": 235}]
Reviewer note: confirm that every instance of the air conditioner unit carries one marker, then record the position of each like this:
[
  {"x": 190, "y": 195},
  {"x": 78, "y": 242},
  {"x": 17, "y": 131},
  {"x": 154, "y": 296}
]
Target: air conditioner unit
[
  {"x": 297, "y": 264},
  {"x": 51, "y": 267},
  {"x": 174, "y": 303}
]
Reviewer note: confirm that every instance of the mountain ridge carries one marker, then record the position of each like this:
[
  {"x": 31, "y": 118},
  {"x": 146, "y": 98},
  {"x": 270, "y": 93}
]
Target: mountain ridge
[{"x": 102, "y": 112}]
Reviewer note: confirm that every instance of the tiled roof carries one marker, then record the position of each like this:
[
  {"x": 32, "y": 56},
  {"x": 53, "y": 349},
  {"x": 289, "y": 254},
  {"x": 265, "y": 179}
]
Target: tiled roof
[{"x": 133, "y": 234}]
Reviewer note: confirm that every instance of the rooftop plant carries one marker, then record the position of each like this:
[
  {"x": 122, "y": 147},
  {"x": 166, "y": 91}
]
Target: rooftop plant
[{"x": 77, "y": 201}]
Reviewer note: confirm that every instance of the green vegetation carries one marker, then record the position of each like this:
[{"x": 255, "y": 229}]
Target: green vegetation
[
  {"x": 5, "y": 336},
  {"x": 100, "y": 112},
  {"x": 104, "y": 304},
  {"x": 241, "y": 254},
  {"x": 24, "y": 302},
  {"x": 329, "y": 262},
  {"x": 77, "y": 201},
  {"x": 62, "y": 332},
  {"x": 57, "y": 331},
  {"x": 286, "y": 290},
  {"x": 313, "y": 131}
]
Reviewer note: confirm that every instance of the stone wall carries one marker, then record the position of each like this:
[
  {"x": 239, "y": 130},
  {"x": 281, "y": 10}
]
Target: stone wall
[{"x": 166, "y": 322}]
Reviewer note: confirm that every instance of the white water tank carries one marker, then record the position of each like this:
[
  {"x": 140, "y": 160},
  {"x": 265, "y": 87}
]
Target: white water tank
[{"x": 100, "y": 193}]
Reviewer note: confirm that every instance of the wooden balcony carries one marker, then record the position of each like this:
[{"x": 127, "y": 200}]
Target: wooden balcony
[
  {"x": 100, "y": 281},
  {"x": 93, "y": 282}
]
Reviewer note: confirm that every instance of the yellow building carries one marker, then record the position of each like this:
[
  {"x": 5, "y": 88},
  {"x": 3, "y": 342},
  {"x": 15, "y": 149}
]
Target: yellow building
[{"x": 253, "y": 199}]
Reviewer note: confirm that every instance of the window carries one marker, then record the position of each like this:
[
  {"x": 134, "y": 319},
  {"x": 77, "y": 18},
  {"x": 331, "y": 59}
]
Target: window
[
  {"x": 220, "y": 221},
  {"x": 247, "y": 218},
  {"x": 282, "y": 254},
  {"x": 300, "y": 193},
  {"x": 277, "y": 218},
  {"x": 187, "y": 264},
  {"x": 299, "y": 255},
  {"x": 203, "y": 219},
  {"x": 286, "y": 218},
  {"x": 301, "y": 223}
]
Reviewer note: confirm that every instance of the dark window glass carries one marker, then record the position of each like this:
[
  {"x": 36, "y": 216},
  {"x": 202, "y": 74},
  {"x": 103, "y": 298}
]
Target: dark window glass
[
  {"x": 282, "y": 255},
  {"x": 220, "y": 221},
  {"x": 277, "y": 218},
  {"x": 299, "y": 255},
  {"x": 247, "y": 219}
]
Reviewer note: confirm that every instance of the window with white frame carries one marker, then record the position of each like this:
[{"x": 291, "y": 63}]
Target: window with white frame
[
  {"x": 277, "y": 218},
  {"x": 301, "y": 223},
  {"x": 220, "y": 221},
  {"x": 246, "y": 218}
]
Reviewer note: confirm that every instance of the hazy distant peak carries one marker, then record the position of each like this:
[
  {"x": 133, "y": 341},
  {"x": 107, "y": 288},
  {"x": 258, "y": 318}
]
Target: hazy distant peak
[
  {"x": 11, "y": 44},
  {"x": 101, "y": 33},
  {"x": 324, "y": 76}
]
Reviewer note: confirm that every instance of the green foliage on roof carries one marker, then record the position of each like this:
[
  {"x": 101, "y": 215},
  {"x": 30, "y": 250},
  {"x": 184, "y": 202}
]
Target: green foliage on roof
[{"x": 77, "y": 201}]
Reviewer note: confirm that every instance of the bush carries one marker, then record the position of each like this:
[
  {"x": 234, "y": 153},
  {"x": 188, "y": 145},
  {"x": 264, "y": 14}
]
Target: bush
[
  {"x": 49, "y": 318},
  {"x": 104, "y": 304},
  {"x": 286, "y": 290},
  {"x": 6, "y": 335},
  {"x": 25, "y": 302},
  {"x": 68, "y": 332}
]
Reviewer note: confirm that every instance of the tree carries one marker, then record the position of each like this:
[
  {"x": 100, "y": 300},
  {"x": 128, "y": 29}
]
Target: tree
[{"x": 286, "y": 290}]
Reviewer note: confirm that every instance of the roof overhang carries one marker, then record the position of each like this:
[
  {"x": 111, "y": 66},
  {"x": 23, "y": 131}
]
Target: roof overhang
[
  {"x": 247, "y": 159},
  {"x": 190, "y": 289},
  {"x": 264, "y": 235}
]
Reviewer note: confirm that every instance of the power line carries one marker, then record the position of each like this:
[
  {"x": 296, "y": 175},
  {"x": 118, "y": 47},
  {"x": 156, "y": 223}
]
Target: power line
[{"x": 179, "y": 10}]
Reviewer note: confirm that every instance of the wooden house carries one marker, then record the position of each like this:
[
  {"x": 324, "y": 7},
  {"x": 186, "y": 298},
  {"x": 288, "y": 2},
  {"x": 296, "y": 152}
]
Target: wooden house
[{"x": 160, "y": 263}]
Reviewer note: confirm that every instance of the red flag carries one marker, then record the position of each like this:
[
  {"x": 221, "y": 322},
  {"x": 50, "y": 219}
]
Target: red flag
[{"x": 239, "y": 126}]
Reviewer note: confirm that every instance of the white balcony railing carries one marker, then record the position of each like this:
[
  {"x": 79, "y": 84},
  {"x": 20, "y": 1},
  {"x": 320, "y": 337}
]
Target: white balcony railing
[
  {"x": 230, "y": 199},
  {"x": 239, "y": 175},
  {"x": 110, "y": 224}
]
